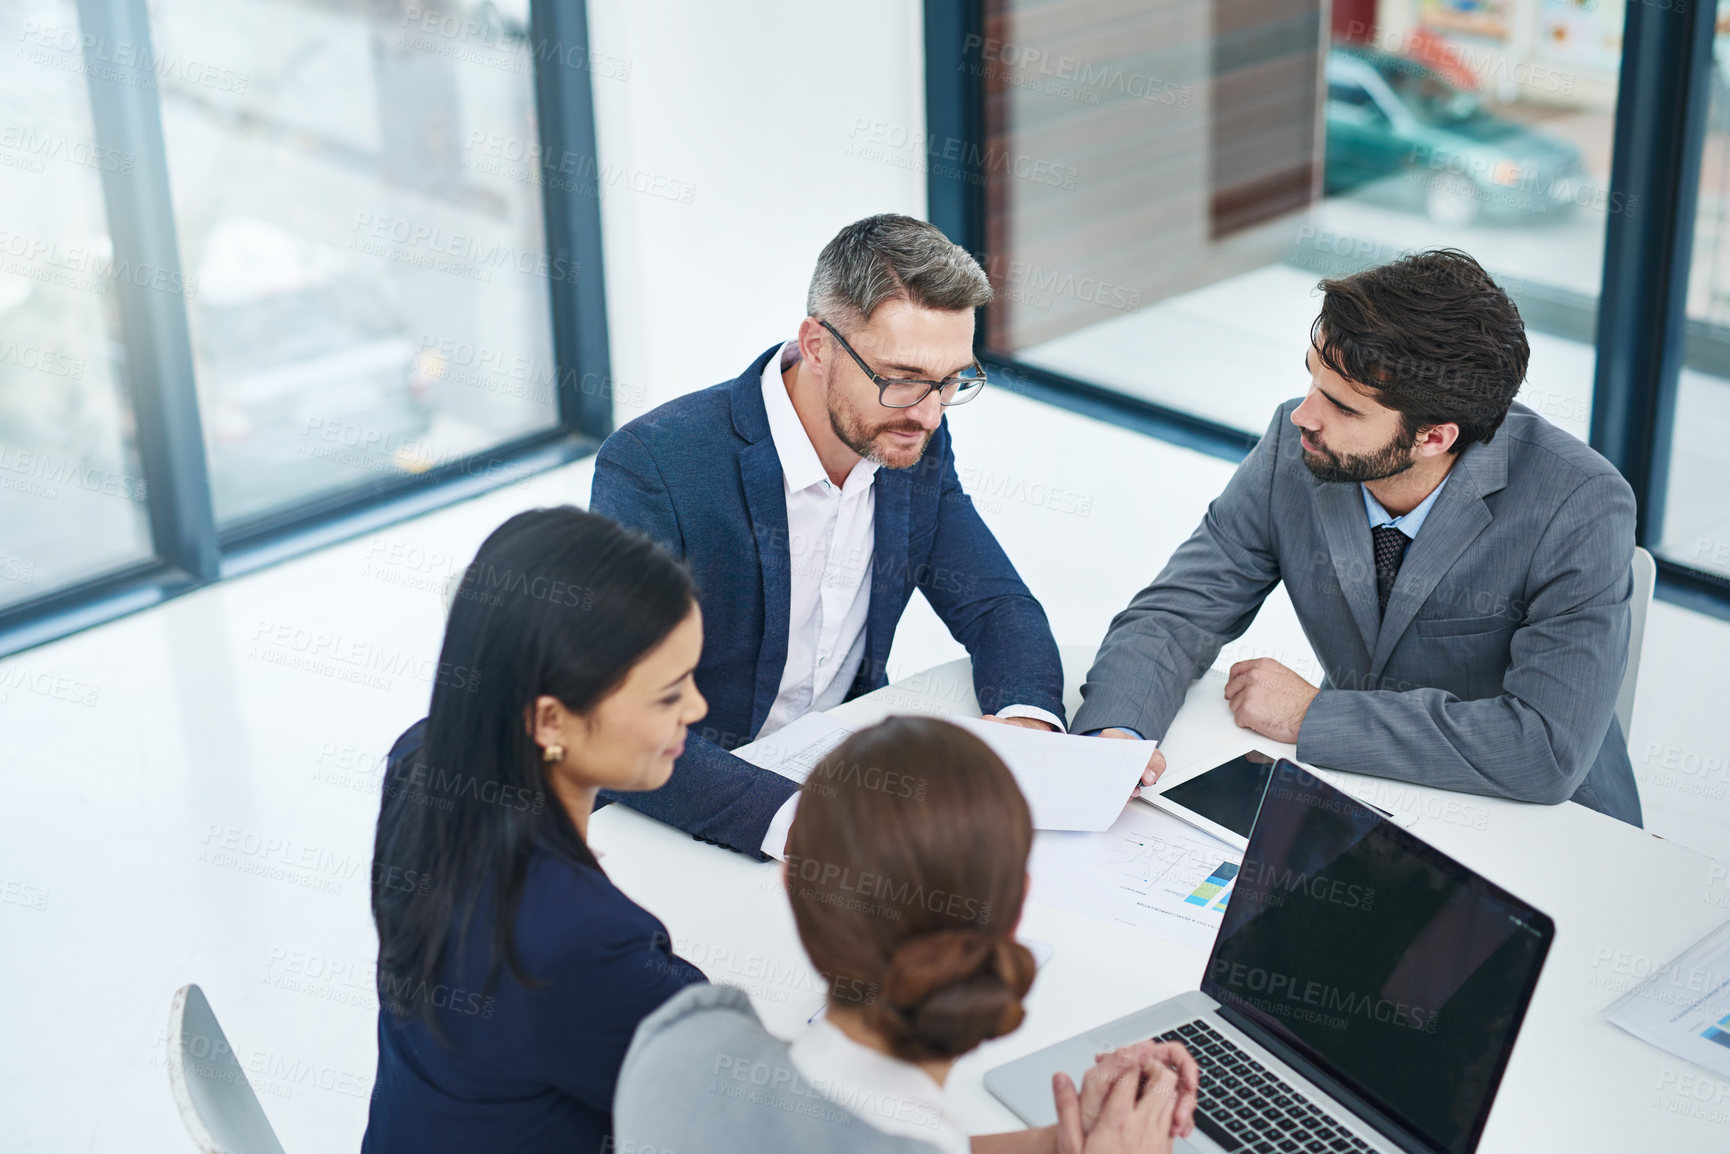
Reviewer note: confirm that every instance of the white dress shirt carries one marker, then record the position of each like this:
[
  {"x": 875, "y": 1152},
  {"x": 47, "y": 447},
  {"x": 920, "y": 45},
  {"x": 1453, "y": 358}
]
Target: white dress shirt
[
  {"x": 830, "y": 539},
  {"x": 831, "y": 536},
  {"x": 890, "y": 1095}
]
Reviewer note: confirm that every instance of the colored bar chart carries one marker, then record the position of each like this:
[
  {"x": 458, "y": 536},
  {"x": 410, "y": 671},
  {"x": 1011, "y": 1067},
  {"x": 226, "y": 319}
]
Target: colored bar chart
[{"x": 1218, "y": 880}]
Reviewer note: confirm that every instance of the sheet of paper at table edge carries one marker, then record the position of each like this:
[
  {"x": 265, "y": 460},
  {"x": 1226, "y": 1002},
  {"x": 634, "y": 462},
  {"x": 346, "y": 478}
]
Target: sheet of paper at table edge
[
  {"x": 795, "y": 749},
  {"x": 1677, "y": 1007},
  {"x": 1074, "y": 871},
  {"x": 1070, "y": 782}
]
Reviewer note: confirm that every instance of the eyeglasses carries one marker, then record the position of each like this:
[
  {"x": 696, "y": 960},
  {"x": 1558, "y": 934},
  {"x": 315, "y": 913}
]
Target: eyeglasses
[{"x": 905, "y": 392}]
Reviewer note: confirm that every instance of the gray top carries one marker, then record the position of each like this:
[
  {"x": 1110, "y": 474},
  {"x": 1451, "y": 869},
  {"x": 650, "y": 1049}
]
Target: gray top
[{"x": 703, "y": 1076}]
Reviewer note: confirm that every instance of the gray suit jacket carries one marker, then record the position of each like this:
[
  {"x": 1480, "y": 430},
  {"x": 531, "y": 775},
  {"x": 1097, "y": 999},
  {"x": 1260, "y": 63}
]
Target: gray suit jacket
[
  {"x": 704, "y": 1075},
  {"x": 1496, "y": 668}
]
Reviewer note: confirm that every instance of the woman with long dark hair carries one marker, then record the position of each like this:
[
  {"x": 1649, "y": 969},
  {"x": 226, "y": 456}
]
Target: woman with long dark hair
[
  {"x": 511, "y": 972},
  {"x": 906, "y": 869}
]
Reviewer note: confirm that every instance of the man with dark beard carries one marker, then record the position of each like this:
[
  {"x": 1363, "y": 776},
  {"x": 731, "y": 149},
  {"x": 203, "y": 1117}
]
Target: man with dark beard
[
  {"x": 809, "y": 497},
  {"x": 1460, "y": 566}
]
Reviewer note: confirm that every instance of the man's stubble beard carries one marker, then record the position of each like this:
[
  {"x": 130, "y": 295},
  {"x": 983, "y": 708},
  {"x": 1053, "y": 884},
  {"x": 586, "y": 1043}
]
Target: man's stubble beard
[
  {"x": 862, "y": 440},
  {"x": 1390, "y": 460}
]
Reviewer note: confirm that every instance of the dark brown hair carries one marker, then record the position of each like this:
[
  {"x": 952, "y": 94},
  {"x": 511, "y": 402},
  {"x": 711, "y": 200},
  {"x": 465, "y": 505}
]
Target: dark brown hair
[
  {"x": 1432, "y": 335},
  {"x": 906, "y": 869}
]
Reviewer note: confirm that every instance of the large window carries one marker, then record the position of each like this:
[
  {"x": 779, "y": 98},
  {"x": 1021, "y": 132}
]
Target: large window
[
  {"x": 270, "y": 266},
  {"x": 1176, "y": 177},
  {"x": 355, "y": 193},
  {"x": 1696, "y": 520},
  {"x": 1157, "y": 188},
  {"x": 71, "y": 488}
]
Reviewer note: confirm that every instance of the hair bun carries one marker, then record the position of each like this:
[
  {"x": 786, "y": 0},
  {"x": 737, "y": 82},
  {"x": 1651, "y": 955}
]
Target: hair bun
[{"x": 947, "y": 991}]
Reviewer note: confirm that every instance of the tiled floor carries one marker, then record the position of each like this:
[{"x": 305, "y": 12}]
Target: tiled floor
[{"x": 190, "y": 792}]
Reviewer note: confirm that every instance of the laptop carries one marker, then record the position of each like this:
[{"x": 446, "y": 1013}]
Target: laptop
[{"x": 1363, "y": 993}]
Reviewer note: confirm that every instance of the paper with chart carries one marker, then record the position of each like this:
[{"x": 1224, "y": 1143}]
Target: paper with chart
[
  {"x": 795, "y": 749},
  {"x": 1149, "y": 871},
  {"x": 1684, "y": 1008}
]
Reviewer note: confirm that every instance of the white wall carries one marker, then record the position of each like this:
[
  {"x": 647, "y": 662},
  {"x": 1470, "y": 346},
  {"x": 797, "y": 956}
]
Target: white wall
[{"x": 761, "y": 113}]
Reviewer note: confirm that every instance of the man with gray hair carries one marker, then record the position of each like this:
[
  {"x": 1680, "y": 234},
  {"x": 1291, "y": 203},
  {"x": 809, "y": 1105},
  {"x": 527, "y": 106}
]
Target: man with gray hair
[{"x": 810, "y": 496}]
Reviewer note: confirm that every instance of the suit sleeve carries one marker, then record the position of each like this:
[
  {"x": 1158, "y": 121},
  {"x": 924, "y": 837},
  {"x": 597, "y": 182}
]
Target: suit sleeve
[
  {"x": 976, "y": 592},
  {"x": 628, "y": 487},
  {"x": 1206, "y": 596},
  {"x": 1538, "y": 739},
  {"x": 588, "y": 1017},
  {"x": 715, "y": 797},
  {"x": 712, "y": 795}
]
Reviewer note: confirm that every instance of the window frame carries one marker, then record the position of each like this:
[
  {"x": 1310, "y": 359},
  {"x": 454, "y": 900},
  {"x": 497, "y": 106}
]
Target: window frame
[
  {"x": 190, "y": 550},
  {"x": 1640, "y": 332}
]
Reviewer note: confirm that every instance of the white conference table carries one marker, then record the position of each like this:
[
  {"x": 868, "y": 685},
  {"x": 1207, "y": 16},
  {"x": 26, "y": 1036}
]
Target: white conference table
[{"x": 1624, "y": 902}]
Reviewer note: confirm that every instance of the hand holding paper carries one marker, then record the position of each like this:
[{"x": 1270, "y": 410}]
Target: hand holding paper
[{"x": 1070, "y": 782}]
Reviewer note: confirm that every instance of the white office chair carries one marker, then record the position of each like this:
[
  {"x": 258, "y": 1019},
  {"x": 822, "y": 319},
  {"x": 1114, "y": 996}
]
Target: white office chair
[
  {"x": 1645, "y": 581},
  {"x": 215, "y": 1100}
]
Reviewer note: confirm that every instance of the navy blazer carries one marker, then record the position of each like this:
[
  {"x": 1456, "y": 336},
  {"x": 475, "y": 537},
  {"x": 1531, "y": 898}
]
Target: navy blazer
[
  {"x": 701, "y": 476},
  {"x": 526, "y": 1069}
]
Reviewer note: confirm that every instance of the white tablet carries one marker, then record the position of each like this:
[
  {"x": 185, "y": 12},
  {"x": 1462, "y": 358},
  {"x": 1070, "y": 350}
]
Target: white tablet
[{"x": 1221, "y": 800}]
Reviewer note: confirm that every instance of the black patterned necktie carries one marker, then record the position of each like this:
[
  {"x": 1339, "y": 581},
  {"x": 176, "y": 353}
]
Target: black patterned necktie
[{"x": 1390, "y": 551}]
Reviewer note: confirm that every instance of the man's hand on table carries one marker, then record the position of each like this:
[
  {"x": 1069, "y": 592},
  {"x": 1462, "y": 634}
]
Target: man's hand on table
[{"x": 1269, "y": 698}]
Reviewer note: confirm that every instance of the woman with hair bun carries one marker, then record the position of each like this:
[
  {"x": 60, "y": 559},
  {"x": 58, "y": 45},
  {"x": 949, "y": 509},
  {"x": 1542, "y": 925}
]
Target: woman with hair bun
[{"x": 906, "y": 869}]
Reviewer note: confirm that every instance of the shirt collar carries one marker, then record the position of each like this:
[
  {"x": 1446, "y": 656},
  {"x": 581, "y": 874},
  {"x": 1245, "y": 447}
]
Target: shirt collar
[
  {"x": 896, "y": 1097},
  {"x": 1408, "y": 523},
  {"x": 800, "y": 465}
]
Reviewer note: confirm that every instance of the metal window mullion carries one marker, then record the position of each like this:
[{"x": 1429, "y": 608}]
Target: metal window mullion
[
  {"x": 571, "y": 197},
  {"x": 1654, "y": 186},
  {"x": 146, "y": 280}
]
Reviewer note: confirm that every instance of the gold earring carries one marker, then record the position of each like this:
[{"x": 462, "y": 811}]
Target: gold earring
[{"x": 553, "y": 753}]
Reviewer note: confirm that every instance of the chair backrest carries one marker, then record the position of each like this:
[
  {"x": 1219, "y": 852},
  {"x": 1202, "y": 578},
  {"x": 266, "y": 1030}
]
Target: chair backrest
[
  {"x": 215, "y": 1100},
  {"x": 1645, "y": 581}
]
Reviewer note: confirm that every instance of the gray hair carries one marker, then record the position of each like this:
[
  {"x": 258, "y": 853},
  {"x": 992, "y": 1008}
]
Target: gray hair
[{"x": 892, "y": 257}]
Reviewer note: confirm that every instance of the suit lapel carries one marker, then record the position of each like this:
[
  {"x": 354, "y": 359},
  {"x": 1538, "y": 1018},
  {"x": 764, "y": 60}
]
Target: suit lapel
[
  {"x": 889, "y": 570},
  {"x": 766, "y": 500},
  {"x": 1458, "y": 517},
  {"x": 1341, "y": 508}
]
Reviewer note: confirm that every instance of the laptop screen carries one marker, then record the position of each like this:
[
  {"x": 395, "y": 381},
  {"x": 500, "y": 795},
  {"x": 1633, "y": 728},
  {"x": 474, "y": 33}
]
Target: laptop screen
[{"x": 1393, "y": 968}]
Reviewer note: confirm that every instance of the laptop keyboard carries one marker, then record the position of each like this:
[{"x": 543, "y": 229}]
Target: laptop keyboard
[{"x": 1244, "y": 1106}]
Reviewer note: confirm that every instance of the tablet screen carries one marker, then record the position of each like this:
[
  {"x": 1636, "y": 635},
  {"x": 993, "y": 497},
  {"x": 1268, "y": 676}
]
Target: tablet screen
[{"x": 1228, "y": 794}]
